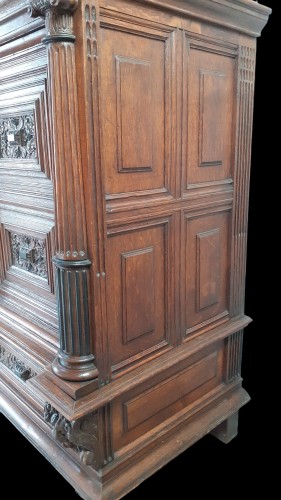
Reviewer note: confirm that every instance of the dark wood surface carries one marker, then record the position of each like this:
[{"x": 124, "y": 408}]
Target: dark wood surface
[{"x": 245, "y": 444}]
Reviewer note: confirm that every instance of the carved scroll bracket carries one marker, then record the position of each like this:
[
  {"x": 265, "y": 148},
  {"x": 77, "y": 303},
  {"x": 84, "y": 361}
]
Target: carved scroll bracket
[
  {"x": 58, "y": 15},
  {"x": 80, "y": 435}
]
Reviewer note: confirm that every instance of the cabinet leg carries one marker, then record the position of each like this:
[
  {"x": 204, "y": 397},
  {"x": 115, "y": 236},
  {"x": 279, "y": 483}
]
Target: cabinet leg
[{"x": 227, "y": 430}]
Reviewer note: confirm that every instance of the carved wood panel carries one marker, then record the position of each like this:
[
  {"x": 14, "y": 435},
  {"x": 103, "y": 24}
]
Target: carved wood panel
[
  {"x": 209, "y": 112},
  {"x": 134, "y": 99},
  {"x": 29, "y": 254},
  {"x": 26, "y": 196},
  {"x": 137, "y": 292},
  {"x": 207, "y": 261},
  {"x": 137, "y": 268},
  {"x": 136, "y": 109},
  {"x": 141, "y": 410}
]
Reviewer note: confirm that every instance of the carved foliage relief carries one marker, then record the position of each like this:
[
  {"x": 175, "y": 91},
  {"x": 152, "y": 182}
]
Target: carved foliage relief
[
  {"x": 15, "y": 365},
  {"x": 29, "y": 253},
  {"x": 79, "y": 435},
  {"x": 17, "y": 136}
]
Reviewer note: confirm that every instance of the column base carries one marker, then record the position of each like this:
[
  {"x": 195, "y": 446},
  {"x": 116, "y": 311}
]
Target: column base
[{"x": 75, "y": 368}]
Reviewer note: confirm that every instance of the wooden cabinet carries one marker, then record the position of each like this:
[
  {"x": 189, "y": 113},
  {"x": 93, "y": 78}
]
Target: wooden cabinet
[{"x": 125, "y": 131}]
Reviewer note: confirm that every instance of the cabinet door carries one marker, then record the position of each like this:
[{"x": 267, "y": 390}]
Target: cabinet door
[
  {"x": 209, "y": 114},
  {"x": 27, "y": 304},
  {"x": 209, "y": 117},
  {"x": 137, "y": 126}
]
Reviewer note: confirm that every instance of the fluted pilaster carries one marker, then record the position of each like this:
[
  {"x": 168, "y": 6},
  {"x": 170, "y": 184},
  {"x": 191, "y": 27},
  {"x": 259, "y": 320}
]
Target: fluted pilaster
[{"x": 75, "y": 360}]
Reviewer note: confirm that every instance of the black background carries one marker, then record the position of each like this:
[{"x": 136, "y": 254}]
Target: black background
[{"x": 210, "y": 467}]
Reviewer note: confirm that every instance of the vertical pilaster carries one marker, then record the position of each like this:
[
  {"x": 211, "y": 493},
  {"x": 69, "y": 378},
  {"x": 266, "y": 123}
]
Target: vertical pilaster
[
  {"x": 88, "y": 30},
  {"x": 246, "y": 78},
  {"x": 234, "y": 345},
  {"x": 245, "y": 105},
  {"x": 75, "y": 359}
]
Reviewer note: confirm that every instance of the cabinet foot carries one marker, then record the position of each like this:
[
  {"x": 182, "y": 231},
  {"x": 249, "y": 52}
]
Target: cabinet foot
[{"x": 227, "y": 430}]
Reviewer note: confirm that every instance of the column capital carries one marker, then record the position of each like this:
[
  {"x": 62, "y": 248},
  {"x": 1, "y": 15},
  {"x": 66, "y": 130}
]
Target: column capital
[
  {"x": 38, "y": 8},
  {"x": 58, "y": 18}
]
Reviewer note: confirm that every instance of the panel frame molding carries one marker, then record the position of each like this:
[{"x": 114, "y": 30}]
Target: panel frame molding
[
  {"x": 170, "y": 36},
  {"x": 224, "y": 316},
  {"x": 171, "y": 339},
  {"x": 124, "y": 258},
  {"x": 222, "y": 48},
  {"x": 121, "y": 169}
]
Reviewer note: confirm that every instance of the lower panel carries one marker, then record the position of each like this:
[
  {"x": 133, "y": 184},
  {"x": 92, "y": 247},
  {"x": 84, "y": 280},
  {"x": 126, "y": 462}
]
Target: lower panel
[
  {"x": 137, "y": 292},
  {"x": 147, "y": 406}
]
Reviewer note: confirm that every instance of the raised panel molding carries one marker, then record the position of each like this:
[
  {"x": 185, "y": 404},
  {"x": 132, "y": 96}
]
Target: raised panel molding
[
  {"x": 209, "y": 113},
  {"x": 138, "y": 307},
  {"x": 139, "y": 276},
  {"x": 165, "y": 394},
  {"x": 208, "y": 265},
  {"x": 207, "y": 285},
  {"x": 134, "y": 119},
  {"x": 138, "y": 112},
  {"x": 212, "y": 108}
]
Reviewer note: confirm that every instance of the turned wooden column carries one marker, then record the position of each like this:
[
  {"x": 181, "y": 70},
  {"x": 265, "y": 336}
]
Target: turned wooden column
[{"x": 75, "y": 360}]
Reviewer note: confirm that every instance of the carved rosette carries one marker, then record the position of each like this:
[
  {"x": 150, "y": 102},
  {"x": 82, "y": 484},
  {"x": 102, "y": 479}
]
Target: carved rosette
[
  {"x": 75, "y": 361},
  {"x": 79, "y": 435}
]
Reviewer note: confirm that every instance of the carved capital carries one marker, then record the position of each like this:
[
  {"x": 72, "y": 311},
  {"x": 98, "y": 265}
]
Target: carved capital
[
  {"x": 40, "y": 7},
  {"x": 80, "y": 435},
  {"x": 58, "y": 18}
]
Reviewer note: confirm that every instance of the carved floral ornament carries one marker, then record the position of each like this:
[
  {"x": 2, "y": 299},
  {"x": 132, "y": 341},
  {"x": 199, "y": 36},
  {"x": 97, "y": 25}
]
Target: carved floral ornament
[
  {"x": 29, "y": 254},
  {"x": 17, "y": 137}
]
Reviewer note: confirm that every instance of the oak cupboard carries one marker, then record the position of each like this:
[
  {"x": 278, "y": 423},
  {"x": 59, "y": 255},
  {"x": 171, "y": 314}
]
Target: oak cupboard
[{"x": 125, "y": 145}]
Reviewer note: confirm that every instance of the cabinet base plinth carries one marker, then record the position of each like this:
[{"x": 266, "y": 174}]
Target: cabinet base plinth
[
  {"x": 227, "y": 430},
  {"x": 129, "y": 467}
]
